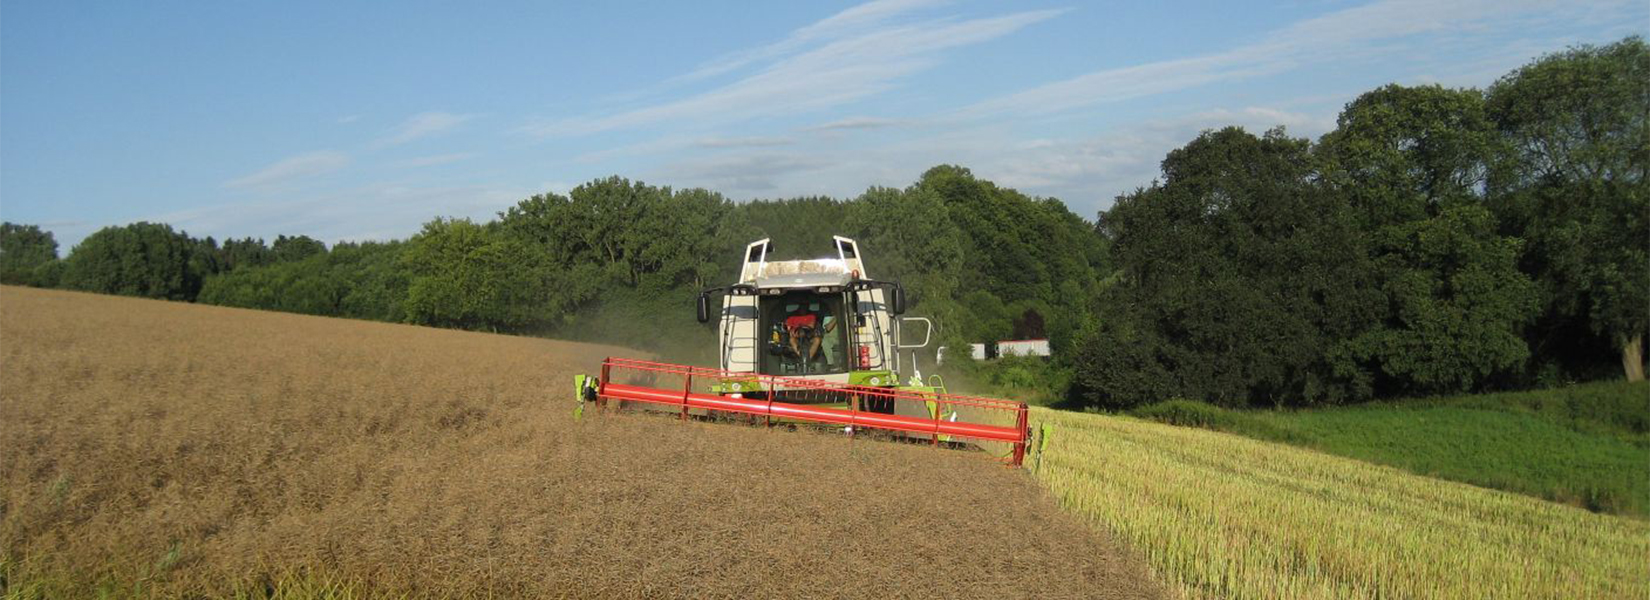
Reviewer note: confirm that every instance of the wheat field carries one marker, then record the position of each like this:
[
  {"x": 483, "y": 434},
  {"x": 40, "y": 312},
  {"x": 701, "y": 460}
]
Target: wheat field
[
  {"x": 161, "y": 449},
  {"x": 1223, "y": 516},
  {"x": 154, "y": 449}
]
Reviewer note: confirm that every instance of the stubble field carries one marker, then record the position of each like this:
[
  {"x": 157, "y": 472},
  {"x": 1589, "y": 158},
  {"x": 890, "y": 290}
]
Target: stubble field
[
  {"x": 152, "y": 448},
  {"x": 1223, "y": 516}
]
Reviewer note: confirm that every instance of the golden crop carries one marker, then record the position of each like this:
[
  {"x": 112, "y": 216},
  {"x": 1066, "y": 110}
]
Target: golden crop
[
  {"x": 1222, "y": 516},
  {"x": 163, "y": 449}
]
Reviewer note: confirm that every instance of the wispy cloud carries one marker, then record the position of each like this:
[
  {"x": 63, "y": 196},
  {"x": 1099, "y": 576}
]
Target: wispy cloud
[
  {"x": 746, "y": 173},
  {"x": 743, "y": 142},
  {"x": 380, "y": 211},
  {"x": 830, "y": 72},
  {"x": 555, "y": 187},
  {"x": 855, "y": 123},
  {"x": 1087, "y": 172},
  {"x": 654, "y": 146},
  {"x": 856, "y": 18},
  {"x": 287, "y": 170},
  {"x": 429, "y": 161},
  {"x": 423, "y": 125},
  {"x": 679, "y": 143},
  {"x": 1345, "y": 35},
  {"x": 1081, "y": 159}
]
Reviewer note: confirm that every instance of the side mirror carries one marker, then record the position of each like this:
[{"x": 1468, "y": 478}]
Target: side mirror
[
  {"x": 898, "y": 301},
  {"x": 704, "y": 308}
]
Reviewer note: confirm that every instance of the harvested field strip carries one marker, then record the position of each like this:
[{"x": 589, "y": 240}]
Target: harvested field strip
[
  {"x": 152, "y": 448},
  {"x": 1222, "y": 516}
]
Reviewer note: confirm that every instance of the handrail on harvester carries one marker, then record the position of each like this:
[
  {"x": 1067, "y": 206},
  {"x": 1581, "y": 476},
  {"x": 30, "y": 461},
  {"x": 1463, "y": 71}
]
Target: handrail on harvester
[{"x": 937, "y": 426}]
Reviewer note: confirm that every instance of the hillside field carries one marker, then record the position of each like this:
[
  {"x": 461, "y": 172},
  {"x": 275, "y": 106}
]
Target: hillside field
[
  {"x": 163, "y": 449},
  {"x": 1586, "y": 445},
  {"x": 1224, "y": 516}
]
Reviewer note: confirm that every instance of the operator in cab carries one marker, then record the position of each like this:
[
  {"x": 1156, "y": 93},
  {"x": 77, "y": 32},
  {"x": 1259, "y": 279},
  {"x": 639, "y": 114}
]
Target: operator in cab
[{"x": 806, "y": 327}]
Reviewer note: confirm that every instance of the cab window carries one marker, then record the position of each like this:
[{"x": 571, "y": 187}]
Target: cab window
[{"x": 804, "y": 334}]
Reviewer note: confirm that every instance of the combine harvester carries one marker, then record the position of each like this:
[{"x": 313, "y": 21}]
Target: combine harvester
[{"x": 815, "y": 343}]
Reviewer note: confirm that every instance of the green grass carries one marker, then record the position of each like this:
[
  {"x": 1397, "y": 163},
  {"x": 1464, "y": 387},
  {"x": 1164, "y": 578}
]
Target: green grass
[
  {"x": 1586, "y": 445},
  {"x": 1035, "y": 380}
]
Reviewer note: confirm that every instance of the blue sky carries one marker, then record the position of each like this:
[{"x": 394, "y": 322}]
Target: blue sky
[{"x": 362, "y": 120}]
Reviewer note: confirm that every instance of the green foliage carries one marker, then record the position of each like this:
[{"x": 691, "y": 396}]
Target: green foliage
[
  {"x": 639, "y": 234},
  {"x": 1191, "y": 413},
  {"x": 1032, "y": 379},
  {"x": 1401, "y": 154},
  {"x": 1577, "y": 115},
  {"x": 296, "y": 248},
  {"x": 909, "y": 237},
  {"x": 552, "y": 261},
  {"x": 633, "y": 234},
  {"x": 377, "y": 285},
  {"x": 141, "y": 259},
  {"x": 362, "y": 281},
  {"x": 692, "y": 240},
  {"x": 989, "y": 318},
  {"x": 247, "y": 252},
  {"x": 1412, "y": 161},
  {"x": 1026, "y": 252},
  {"x": 28, "y": 256},
  {"x": 1614, "y": 408},
  {"x": 1274, "y": 272},
  {"x": 798, "y": 228},
  {"x": 1573, "y": 445},
  {"x": 300, "y": 287},
  {"x": 550, "y": 255},
  {"x": 1575, "y": 123},
  {"x": 1457, "y": 304},
  {"x": 471, "y": 276},
  {"x": 1237, "y": 274}
]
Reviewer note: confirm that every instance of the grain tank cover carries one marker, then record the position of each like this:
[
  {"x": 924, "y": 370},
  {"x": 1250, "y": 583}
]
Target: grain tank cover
[{"x": 802, "y": 281}]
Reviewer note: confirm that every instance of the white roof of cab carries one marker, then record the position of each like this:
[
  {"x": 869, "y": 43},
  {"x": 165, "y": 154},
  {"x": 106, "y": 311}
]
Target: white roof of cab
[
  {"x": 803, "y": 273},
  {"x": 801, "y": 280}
]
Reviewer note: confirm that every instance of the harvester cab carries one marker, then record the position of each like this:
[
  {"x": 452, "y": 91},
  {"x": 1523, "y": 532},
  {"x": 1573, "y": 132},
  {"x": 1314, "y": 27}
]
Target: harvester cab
[
  {"x": 816, "y": 343},
  {"x": 823, "y": 318}
]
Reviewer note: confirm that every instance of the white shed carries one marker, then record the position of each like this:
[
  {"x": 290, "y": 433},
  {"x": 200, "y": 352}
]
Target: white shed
[{"x": 1023, "y": 348}]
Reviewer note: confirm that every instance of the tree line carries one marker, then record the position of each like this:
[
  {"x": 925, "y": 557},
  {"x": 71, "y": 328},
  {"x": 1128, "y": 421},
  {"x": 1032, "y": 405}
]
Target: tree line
[{"x": 1438, "y": 240}]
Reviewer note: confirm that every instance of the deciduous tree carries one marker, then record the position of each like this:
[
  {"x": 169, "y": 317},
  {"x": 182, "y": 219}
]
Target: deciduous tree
[
  {"x": 141, "y": 259},
  {"x": 1413, "y": 163},
  {"x": 1576, "y": 122},
  {"x": 28, "y": 256},
  {"x": 1237, "y": 274}
]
